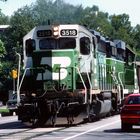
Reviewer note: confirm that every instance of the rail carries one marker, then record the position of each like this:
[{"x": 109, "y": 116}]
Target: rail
[
  {"x": 121, "y": 82},
  {"x": 18, "y": 92},
  {"x": 18, "y": 89},
  {"x": 83, "y": 84},
  {"x": 89, "y": 84},
  {"x": 114, "y": 79}
]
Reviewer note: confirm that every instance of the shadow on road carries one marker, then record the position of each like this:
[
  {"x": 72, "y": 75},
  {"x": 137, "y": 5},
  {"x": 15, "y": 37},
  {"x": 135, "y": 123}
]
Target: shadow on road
[
  {"x": 134, "y": 130},
  {"x": 20, "y": 125},
  {"x": 12, "y": 125}
]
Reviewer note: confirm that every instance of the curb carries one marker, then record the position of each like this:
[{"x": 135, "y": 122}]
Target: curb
[{"x": 4, "y": 114}]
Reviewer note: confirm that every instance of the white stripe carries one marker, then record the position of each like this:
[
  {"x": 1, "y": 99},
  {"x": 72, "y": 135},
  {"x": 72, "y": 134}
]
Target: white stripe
[{"x": 94, "y": 129}]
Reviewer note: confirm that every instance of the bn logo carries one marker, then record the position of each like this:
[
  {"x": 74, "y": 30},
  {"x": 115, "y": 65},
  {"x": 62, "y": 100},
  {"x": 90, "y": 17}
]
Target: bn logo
[{"x": 56, "y": 68}]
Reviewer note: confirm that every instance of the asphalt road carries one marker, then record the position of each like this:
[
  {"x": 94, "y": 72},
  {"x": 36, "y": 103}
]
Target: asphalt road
[{"x": 105, "y": 129}]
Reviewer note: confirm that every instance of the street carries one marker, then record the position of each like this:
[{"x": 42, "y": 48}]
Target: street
[{"x": 105, "y": 129}]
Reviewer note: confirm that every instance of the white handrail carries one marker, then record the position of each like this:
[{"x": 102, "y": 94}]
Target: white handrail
[
  {"x": 23, "y": 78},
  {"x": 115, "y": 79},
  {"x": 18, "y": 92},
  {"x": 121, "y": 81},
  {"x": 90, "y": 85},
  {"x": 83, "y": 84},
  {"x": 18, "y": 89}
]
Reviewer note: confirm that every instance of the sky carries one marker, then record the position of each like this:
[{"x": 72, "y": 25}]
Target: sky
[{"x": 130, "y": 7}]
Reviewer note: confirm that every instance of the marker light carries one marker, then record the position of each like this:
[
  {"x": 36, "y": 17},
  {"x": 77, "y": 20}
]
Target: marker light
[
  {"x": 55, "y": 28},
  {"x": 55, "y": 31}
]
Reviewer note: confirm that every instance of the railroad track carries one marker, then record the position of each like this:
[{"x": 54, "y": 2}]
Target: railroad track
[
  {"x": 12, "y": 129},
  {"x": 27, "y": 134}
]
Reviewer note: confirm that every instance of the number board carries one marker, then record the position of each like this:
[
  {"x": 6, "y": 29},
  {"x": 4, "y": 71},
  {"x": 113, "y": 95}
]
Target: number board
[
  {"x": 68, "y": 32},
  {"x": 44, "y": 33}
]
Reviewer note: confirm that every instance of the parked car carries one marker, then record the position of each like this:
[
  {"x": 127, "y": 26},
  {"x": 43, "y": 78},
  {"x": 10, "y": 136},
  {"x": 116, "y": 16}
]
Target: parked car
[
  {"x": 1, "y": 104},
  {"x": 12, "y": 103},
  {"x": 130, "y": 112}
]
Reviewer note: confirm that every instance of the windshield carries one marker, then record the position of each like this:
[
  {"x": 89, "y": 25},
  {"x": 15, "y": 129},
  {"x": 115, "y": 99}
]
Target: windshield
[
  {"x": 134, "y": 100},
  {"x": 61, "y": 43}
]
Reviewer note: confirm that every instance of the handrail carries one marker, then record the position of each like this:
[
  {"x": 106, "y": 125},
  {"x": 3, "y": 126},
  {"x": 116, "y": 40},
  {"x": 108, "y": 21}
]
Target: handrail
[
  {"x": 83, "y": 84},
  {"x": 121, "y": 81},
  {"x": 23, "y": 77},
  {"x": 18, "y": 92},
  {"x": 18, "y": 88},
  {"x": 115, "y": 79},
  {"x": 90, "y": 85}
]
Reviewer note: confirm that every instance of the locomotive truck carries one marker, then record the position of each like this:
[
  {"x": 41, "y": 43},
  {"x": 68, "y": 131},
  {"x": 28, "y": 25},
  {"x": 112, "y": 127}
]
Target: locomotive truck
[{"x": 69, "y": 70}]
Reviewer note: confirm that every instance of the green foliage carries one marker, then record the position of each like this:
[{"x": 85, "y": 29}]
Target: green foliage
[
  {"x": 21, "y": 22},
  {"x": 5, "y": 110},
  {"x": 136, "y": 38},
  {"x": 122, "y": 28},
  {"x": 97, "y": 20},
  {"x": 2, "y": 49},
  {"x": 3, "y": 19},
  {"x": 57, "y": 12}
]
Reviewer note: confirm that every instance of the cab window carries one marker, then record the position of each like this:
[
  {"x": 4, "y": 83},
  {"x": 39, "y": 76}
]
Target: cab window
[
  {"x": 30, "y": 46},
  {"x": 48, "y": 43},
  {"x": 102, "y": 46},
  {"x": 114, "y": 51},
  {"x": 85, "y": 46},
  {"x": 67, "y": 43},
  {"x": 129, "y": 57},
  {"x": 120, "y": 54},
  {"x": 94, "y": 47}
]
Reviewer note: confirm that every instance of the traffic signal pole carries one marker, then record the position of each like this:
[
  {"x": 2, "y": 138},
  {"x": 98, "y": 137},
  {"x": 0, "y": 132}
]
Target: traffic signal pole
[
  {"x": 18, "y": 78},
  {"x": 14, "y": 86}
]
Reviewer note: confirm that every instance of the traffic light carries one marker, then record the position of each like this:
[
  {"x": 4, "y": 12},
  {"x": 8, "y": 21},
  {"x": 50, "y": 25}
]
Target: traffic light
[{"x": 14, "y": 74}]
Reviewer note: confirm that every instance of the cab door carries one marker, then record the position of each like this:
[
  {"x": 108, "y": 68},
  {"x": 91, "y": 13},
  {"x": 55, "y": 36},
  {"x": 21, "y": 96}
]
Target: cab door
[{"x": 85, "y": 56}]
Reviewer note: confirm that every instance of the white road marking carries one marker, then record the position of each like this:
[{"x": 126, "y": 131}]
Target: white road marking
[{"x": 94, "y": 129}]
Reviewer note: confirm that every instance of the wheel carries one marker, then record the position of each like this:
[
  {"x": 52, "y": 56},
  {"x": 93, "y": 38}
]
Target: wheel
[
  {"x": 43, "y": 111},
  {"x": 11, "y": 112},
  {"x": 125, "y": 126},
  {"x": 90, "y": 113},
  {"x": 40, "y": 115}
]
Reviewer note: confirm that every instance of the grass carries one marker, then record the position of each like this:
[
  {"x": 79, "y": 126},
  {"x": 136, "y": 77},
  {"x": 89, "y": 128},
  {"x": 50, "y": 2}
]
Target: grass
[{"x": 5, "y": 110}]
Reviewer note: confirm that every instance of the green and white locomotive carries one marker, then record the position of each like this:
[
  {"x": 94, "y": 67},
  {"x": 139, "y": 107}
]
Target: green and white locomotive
[{"x": 70, "y": 70}]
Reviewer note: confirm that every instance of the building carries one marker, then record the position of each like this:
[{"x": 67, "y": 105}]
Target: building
[{"x": 3, "y": 27}]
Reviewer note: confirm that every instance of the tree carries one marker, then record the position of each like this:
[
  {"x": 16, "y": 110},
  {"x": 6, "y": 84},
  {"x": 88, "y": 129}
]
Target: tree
[
  {"x": 136, "y": 37},
  {"x": 2, "y": 49},
  {"x": 57, "y": 12},
  {"x": 3, "y": 19},
  {"x": 122, "y": 28},
  {"x": 97, "y": 20},
  {"x": 20, "y": 23}
]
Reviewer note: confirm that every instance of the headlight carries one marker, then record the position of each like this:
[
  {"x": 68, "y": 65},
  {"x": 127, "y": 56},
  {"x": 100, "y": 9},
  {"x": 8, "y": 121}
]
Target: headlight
[{"x": 55, "y": 31}]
